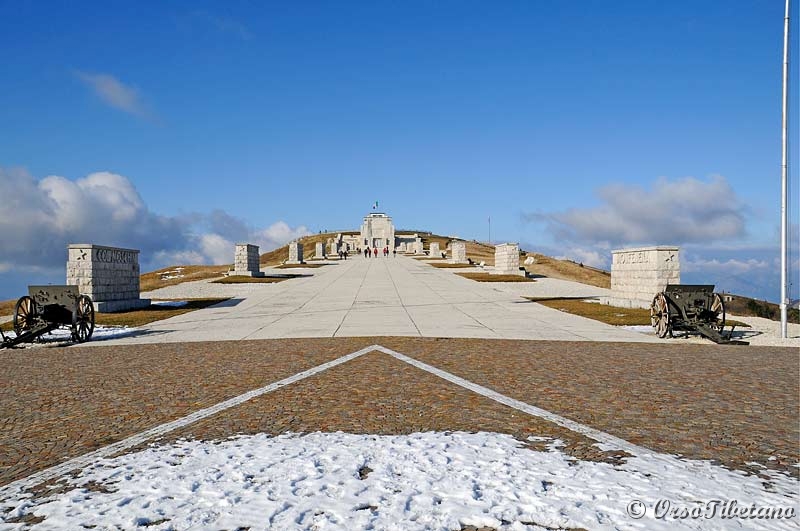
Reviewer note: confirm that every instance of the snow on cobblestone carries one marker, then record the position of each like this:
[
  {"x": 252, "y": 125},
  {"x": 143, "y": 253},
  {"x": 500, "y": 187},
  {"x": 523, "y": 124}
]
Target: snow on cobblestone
[{"x": 425, "y": 481}]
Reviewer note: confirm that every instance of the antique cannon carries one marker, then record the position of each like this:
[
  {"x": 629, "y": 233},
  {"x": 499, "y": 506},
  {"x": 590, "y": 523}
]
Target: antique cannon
[
  {"x": 691, "y": 308},
  {"x": 46, "y": 308}
]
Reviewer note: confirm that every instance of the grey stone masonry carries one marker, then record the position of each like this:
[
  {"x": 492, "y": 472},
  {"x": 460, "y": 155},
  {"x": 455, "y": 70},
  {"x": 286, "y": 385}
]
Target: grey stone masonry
[
  {"x": 638, "y": 274},
  {"x": 295, "y": 253},
  {"x": 458, "y": 252},
  {"x": 506, "y": 260},
  {"x": 434, "y": 251},
  {"x": 246, "y": 261},
  {"x": 108, "y": 275},
  {"x": 418, "y": 246},
  {"x": 319, "y": 251}
]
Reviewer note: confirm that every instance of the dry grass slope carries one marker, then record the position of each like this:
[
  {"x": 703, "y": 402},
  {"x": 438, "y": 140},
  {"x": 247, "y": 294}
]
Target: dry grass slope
[
  {"x": 157, "y": 279},
  {"x": 568, "y": 270}
]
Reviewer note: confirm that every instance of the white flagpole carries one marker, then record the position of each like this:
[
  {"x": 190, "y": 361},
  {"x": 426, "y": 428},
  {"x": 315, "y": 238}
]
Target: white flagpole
[{"x": 784, "y": 177}]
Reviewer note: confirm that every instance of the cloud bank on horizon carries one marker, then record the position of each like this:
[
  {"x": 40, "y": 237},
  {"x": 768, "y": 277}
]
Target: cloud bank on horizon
[
  {"x": 674, "y": 212},
  {"x": 708, "y": 220},
  {"x": 43, "y": 216}
]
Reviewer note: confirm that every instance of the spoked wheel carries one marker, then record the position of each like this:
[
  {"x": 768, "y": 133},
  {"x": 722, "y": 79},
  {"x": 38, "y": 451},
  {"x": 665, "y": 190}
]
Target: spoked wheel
[
  {"x": 659, "y": 316},
  {"x": 24, "y": 314},
  {"x": 717, "y": 317},
  {"x": 83, "y": 319}
]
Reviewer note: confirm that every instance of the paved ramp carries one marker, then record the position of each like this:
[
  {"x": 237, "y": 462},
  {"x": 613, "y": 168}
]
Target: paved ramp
[{"x": 379, "y": 297}]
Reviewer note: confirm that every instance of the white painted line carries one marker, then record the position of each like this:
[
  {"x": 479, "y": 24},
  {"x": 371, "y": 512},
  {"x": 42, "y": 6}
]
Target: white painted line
[
  {"x": 85, "y": 460},
  {"x": 599, "y": 436}
]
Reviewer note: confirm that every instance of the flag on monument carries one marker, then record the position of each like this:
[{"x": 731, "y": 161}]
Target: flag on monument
[{"x": 375, "y": 205}]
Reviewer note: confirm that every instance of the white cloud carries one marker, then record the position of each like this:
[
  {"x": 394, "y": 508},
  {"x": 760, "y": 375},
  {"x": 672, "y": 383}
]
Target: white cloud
[
  {"x": 278, "y": 234},
  {"x": 42, "y": 217},
  {"x": 590, "y": 257},
  {"x": 115, "y": 93},
  {"x": 215, "y": 248},
  {"x": 731, "y": 266},
  {"x": 672, "y": 212}
]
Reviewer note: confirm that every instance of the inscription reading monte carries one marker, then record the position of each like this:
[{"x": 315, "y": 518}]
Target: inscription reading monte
[{"x": 639, "y": 257}]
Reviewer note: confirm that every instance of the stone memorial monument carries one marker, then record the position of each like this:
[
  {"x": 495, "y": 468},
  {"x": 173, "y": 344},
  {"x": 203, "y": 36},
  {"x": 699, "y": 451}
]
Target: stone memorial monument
[
  {"x": 506, "y": 260},
  {"x": 433, "y": 250},
  {"x": 319, "y": 251},
  {"x": 109, "y": 275},
  {"x": 418, "y": 246},
  {"x": 458, "y": 252},
  {"x": 295, "y": 253},
  {"x": 638, "y": 274},
  {"x": 246, "y": 261}
]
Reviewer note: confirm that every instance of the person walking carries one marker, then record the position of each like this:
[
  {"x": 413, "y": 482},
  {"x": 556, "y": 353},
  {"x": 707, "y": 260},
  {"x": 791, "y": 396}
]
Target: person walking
[{"x": 394, "y": 252}]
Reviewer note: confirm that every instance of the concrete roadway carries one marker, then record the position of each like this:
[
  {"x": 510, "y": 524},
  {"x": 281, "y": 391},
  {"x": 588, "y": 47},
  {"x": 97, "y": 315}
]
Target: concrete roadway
[{"x": 378, "y": 297}]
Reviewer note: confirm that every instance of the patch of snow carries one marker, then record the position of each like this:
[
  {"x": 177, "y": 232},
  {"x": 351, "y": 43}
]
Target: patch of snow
[
  {"x": 64, "y": 335},
  {"x": 425, "y": 481}
]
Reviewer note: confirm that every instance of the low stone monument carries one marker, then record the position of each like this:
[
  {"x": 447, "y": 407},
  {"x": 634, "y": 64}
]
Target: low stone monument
[
  {"x": 246, "y": 261},
  {"x": 638, "y": 274},
  {"x": 506, "y": 260},
  {"x": 418, "y": 246},
  {"x": 530, "y": 260},
  {"x": 434, "y": 251},
  {"x": 458, "y": 252},
  {"x": 319, "y": 251},
  {"x": 295, "y": 253},
  {"x": 402, "y": 247},
  {"x": 334, "y": 248},
  {"x": 109, "y": 275}
]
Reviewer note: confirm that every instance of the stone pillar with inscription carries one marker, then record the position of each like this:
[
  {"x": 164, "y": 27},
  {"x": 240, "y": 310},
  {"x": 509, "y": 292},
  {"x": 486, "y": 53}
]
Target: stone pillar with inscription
[
  {"x": 433, "y": 249},
  {"x": 295, "y": 253},
  {"x": 418, "y": 246},
  {"x": 109, "y": 275},
  {"x": 246, "y": 261},
  {"x": 319, "y": 251},
  {"x": 458, "y": 252},
  {"x": 638, "y": 274},
  {"x": 506, "y": 260}
]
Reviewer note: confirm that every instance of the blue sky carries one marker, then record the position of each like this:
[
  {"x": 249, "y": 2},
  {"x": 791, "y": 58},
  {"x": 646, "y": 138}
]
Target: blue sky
[{"x": 579, "y": 127}]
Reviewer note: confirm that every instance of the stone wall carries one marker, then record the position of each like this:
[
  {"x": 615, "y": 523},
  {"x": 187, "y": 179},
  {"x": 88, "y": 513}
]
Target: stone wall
[
  {"x": 246, "y": 261},
  {"x": 506, "y": 260},
  {"x": 434, "y": 250},
  {"x": 295, "y": 253},
  {"x": 109, "y": 275},
  {"x": 458, "y": 252},
  {"x": 638, "y": 274}
]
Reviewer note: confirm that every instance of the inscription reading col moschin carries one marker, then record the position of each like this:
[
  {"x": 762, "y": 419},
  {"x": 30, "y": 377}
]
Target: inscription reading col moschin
[
  {"x": 638, "y": 257},
  {"x": 118, "y": 256}
]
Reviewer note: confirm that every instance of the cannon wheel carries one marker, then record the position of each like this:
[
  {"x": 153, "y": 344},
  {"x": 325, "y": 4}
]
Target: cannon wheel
[
  {"x": 24, "y": 314},
  {"x": 659, "y": 316},
  {"x": 718, "y": 309},
  {"x": 83, "y": 319}
]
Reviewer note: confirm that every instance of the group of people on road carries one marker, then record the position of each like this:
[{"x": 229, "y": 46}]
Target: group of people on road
[{"x": 373, "y": 252}]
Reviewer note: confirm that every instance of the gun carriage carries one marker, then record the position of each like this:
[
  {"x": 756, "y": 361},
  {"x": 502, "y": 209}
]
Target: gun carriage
[
  {"x": 47, "y": 308},
  {"x": 691, "y": 308}
]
